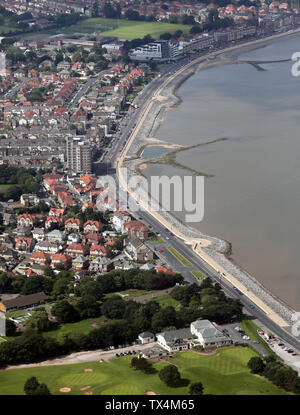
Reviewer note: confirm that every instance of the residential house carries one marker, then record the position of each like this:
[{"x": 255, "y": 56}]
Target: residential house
[
  {"x": 92, "y": 226},
  {"x": 8, "y": 254},
  {"x": 26, "y": 220},
  {"x": 56, "y": 236},
  {"x": 56, "y": 212},
  {"x": 29, "y": 200},
  {"x": 73, "y": 238},
  {"x": 73, "y": 225},
  {"x": 40, "y": 258},
  {"x": 146, "y": 337},
  {"x": 101, "y": 264},
  {"x": 38, "y": 234},
  {"x": 24, "y": 244},
  {"x": 138, "y": 250},
  {"x": 47, "y": 247},
  {"x": 136, "y": 229},
  {"x": 61, "y": 259},
  {"x": 100, "y": 250},
  {"x": 53, "y": 222},
  {"x": 77, "y": 249},
  {"x": 80, "y": 262},
  {"x": 8, "y": 219},
  {"x": 92, "y": 238},
  {"x": 119, "y": 219}
]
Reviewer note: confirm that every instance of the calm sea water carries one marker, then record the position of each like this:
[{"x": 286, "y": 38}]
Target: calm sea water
[{"x": 253, "y": 200}]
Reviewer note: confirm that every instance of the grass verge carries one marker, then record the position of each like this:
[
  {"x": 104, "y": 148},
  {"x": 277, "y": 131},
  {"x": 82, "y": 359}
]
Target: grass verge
[
  {"x": 250, "y": 329},
  {"x": 180, "y": 258},
  {"x": 198, "y": 275}
]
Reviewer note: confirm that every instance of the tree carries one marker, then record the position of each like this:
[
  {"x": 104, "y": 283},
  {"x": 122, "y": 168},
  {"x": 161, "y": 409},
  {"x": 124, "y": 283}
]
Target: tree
[
  {"x": 196, "y": 388},
  {"x": 64, "y": 312},
  {"x": 113, "y": 307},
  {"x": 256, "y": 365},
  {"x": 42, "y": 389},
  {"x": 169, "y": 375},
  {"x": 31, "y": 385},
  {"x": 95, "y": 9},
  {"x": 38, "y": 321},
  {"x": 195, "y": 29},
  {"x": 11, "y": 328},
  {"x": 132, "y": 15}
]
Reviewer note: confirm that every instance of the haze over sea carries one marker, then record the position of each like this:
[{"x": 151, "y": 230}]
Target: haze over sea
[{"x": 253, "y": 200}]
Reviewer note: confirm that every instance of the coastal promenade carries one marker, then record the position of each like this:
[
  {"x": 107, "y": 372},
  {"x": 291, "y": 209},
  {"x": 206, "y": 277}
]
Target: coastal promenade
[{"x": 211, "y": 250}]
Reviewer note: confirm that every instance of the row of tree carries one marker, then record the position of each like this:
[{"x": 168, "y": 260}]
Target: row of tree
[
  {"x": 280, "y": 374},
  {"x": 32, "y": 346}
]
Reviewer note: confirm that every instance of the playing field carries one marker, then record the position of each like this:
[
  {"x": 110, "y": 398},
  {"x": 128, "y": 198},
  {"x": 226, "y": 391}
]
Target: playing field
[
  {"x": 166, "y": 301},
  {"x": 83, "y": 326},
  {"x": 223, "y": 373},
  {"x": 123, "y": 29}
]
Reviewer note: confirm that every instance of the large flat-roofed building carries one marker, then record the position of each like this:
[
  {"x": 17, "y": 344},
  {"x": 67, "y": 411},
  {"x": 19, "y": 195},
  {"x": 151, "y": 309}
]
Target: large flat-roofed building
[
  {"x": 160, "y": 50},
  {"x": 200, "y": 332},
  {"x": 79, "y": 155}
]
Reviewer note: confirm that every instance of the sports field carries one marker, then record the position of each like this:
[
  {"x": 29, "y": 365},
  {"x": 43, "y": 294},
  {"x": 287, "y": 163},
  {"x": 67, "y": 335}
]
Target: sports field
[
  {"x": 222, "y": 373},
  {"x": 123, "y": 29}
]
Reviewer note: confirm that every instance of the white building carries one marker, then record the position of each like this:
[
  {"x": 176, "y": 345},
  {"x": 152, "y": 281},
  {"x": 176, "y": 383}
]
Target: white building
[
  {"x": 119, "y": 219},
  {"x": 146, "y": 337},
  {"x": 201, "y": 332}
]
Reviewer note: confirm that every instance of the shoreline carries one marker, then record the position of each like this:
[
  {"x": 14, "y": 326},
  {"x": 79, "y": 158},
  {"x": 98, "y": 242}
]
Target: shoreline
[{"x": 214, "y": 251}]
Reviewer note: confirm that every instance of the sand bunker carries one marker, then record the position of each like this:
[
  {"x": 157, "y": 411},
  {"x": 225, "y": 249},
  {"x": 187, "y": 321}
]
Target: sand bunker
[
  {"x": 150, "y": 393},
  {"x": 85, "y": 388},
  {"x": 88, "y": 370},
  {"x": 65, "y": 389},
  {"x": 106, "y": 361},
  {"x": 89, "y": 393}
]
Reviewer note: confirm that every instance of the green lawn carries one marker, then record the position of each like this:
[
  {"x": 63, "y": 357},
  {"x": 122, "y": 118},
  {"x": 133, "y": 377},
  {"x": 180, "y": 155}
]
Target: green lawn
[
  {"x": 158, "y": 241},
  {"x": 123, "y": 29},
  {"x": 83, "y": 326},
  {"x": 135, "y": 292},
  {"x": 166, "y": 301},
  {"x": 198, "y": 275},
  {"x": 180, "y": 258},
  {"x": 223, "y": 373},
  {"x": 7, "y": 29},
  {"x": 5, "y": 186},
  {"x": 251, "y": 328}
]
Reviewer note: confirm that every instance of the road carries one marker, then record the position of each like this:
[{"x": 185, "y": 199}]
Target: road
[{"x": 128, "y": 125}]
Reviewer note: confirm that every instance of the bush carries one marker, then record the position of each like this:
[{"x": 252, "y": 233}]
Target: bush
[
  {"x": 256, "y": 365},
  {"x": 170, "y": 375},
  {"x": 196, "y": 388}
]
